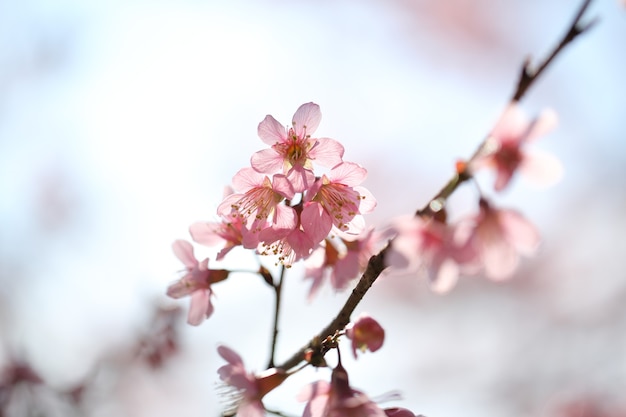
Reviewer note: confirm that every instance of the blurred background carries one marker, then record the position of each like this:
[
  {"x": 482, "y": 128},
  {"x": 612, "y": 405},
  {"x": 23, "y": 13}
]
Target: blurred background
[{"x": 122, "y": 121}]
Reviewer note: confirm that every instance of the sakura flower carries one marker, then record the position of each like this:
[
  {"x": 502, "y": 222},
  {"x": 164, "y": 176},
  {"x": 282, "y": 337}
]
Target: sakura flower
[
  {"x": 250, "y": 389},
  {"x": 366, "y": 334},
  {"x": 341, "y": 199},
  {"x": 503, "y": 149},
  {"x": 260, "y": 201},
  {"x": 293, "y": 243},
  {"x": 500, "y": 236},
  {"x": 293, "y": 149},
  {"x": 340, "y": 266},
  {"x": 433, "y": 245},
  {"x": 337, "y": 399},
  {"x": 228, "y": 231},
  {"x": 196, "y": 282}
]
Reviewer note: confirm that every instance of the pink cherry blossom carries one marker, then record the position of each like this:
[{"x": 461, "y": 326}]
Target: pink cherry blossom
[
  {"x": 293, "y": 243},
  {"x": 366, "y": 334},
  {"x": 337, "y": 399},
  {"x": 341, "y": 199},
  {"x": 500, "y": 236},
  {"x": 504, "y": 149},
  {"x": 340, "y": 267},
  {"x": 433, "y": 245},
  {"x": 293, "y": 149},
  {"x": 250, "y": 388},
  {"x": 196, "y": 282},
  {"x": 259, "y": 202}
]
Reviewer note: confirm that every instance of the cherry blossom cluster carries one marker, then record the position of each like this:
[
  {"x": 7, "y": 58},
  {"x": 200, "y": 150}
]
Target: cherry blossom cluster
[{"x": 283, "y": 206}]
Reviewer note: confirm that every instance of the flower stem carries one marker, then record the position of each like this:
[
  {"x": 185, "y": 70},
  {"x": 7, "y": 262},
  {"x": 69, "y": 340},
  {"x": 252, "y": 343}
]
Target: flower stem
[{"x": 278, "y": 286}]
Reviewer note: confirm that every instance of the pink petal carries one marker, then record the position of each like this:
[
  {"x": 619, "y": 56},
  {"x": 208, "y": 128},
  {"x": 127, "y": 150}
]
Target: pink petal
[
  {"x": 315, "y": 389},
  {"x": 179, "y": 289},
  {"x": 247, "y": 178},
  {"x": 446, "y": 277},
  {"x": 184, "y": 252},
  {"x": 542, "y": 169},
  {"x": 521, "y": 233},
  {"x": 348, "y": 173},
  {"x": 267, "y": 161},
  {"x": 200, "y": 307},
  {"x": 285, "y": 217},
  {"x": 226, "y": 207},
  {"x": 499, "y": 258},
  {"x": 283, "y": 186},
  {"x": 367, "y": 202},
  {"x": 204, "y": 234},
  {"x": 306, "y": 119},
  {"x": 251, "y": 408},
  {"x": 545, "y": 123},
  {"x": 327, "y": 152},
  {"x": 512, "y": 124},
  {"x": 271, "y": 131},
  {"x": 315, "y": 221},
  {"x": 300, "y": 178},
  {"x": 230, "y": 355}
]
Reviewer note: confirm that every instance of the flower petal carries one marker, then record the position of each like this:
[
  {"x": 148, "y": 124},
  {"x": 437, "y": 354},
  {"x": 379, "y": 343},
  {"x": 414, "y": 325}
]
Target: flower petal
[
  {"x": 200, "y": 307},
  {"x": 522, "y": 234},
  {"x": 306, "y": 119},
  {"x": 327, "y": 152},
  {"x": 184, "y": 251},
  {"x": 271, "y": 131},
  {"x": 204, "y": 233},
  {"x": 541, "y": 169},
  {"x": 267, "y": 161},
  {"x": 348, "y": 173}
]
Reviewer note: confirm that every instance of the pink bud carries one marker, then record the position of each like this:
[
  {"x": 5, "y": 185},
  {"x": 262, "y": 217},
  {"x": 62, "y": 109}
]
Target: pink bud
[{"x": 366, "y": 334}]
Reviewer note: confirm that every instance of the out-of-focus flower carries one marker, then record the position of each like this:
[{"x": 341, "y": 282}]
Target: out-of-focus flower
[
  {"x": 500, "y": 236},
  {"x": 503, "y": 149},
  {"x": 161, "y": 340},
  {"x": 293, "y": 150},
  {"x": 250, "y": 389},
  {"x": 366, "y": 334},
  {"x": 341, "y": 266},
  {"x": 431, "y": 244},
  {"x": 196, "y": 282},
  {"x": 337, "y": 399}
]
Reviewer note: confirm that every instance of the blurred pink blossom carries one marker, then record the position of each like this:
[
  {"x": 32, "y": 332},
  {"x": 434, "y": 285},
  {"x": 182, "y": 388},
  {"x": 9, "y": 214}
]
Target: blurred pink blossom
[
  {"x": 251, "y": 388},
  {"x": 431, "y": 244},
  {"x": 196, "y": 282},
  {"x": 503, "y": 149},
  {"x": 337, "y": 399},
  {"x": 366, "y": 334},
  {"x": 500, "y": 236}
]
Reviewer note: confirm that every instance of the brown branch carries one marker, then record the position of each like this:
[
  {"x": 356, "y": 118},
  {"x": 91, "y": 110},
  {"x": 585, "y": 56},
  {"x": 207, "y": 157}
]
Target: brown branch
[
  {"x": 375, "y": 267},
  {"x": 376, "y": 264},
  {"x": 529, "y": 75}
]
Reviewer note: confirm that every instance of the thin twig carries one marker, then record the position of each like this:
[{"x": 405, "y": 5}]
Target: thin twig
[
  {"x": 278, "y": 291},
  {"x": 528, "y": 75}
]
